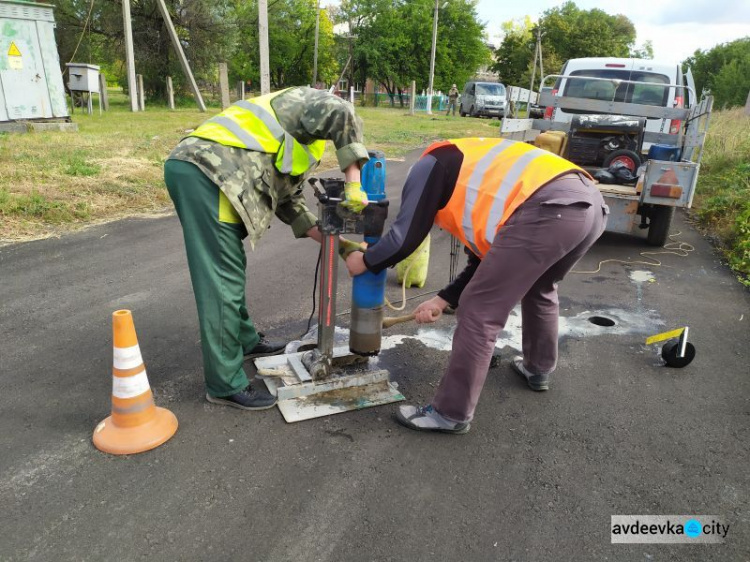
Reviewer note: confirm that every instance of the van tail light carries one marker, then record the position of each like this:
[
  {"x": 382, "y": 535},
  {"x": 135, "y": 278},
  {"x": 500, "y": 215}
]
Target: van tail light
[
  {"x": 549, "y": 109},
  {"x": 676, "y": 125}
]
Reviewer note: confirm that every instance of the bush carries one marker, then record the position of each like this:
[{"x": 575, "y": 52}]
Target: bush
[{"x": 722, "y": 201}]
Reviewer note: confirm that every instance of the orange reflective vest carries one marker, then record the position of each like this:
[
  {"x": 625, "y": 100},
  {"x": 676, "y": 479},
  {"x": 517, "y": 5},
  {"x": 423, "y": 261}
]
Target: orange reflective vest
[{"x": 496, "y": 177}]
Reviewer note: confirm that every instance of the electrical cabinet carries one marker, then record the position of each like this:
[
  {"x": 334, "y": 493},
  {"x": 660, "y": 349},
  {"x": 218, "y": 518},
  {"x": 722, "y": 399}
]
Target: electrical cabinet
[{"x": 31, "y": 82}]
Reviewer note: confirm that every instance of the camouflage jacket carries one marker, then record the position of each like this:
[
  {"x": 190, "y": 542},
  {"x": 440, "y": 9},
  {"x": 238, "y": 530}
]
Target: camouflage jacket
[{"x": 251, "y": 182}]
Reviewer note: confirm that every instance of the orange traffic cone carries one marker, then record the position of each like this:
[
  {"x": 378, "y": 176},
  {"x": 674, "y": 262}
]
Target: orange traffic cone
[{"x": 136, "y": 424}]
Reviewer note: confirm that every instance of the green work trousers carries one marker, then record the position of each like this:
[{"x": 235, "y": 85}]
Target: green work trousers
[{"x": 216, "y": 258}]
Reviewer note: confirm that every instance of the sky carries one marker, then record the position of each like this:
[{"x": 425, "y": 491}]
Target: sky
[{"x": 675, "y": 33}]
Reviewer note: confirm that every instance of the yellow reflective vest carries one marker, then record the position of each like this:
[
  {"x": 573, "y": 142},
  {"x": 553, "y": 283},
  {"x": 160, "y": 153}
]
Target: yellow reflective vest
[{"x": 252, "y": 125}]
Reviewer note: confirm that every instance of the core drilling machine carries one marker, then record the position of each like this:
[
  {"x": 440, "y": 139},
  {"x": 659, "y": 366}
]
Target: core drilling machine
[{"x": 326, "y": 379}]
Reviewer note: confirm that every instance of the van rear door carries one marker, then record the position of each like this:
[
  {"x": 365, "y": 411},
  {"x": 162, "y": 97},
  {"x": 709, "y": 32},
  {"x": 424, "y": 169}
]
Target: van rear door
[{"x": 691, "y": 94}]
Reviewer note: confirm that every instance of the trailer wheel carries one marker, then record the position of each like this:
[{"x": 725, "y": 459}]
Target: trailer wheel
[
  {"x": 659, "y": 225},
  {"x": 631, "y": 160}
]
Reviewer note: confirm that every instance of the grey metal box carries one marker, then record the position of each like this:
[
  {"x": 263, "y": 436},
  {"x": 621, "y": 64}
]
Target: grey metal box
[
  {"x": 31, "y": 84},
  {"x": 83, "y": 77}
]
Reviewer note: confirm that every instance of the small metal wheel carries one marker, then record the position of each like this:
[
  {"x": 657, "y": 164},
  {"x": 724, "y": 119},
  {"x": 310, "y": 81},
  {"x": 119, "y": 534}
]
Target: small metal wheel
[{"x": 670, "y": 350}]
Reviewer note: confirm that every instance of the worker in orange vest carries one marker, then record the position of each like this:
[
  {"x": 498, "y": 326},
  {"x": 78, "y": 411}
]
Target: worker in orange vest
[{"x": 527, "y": 216}]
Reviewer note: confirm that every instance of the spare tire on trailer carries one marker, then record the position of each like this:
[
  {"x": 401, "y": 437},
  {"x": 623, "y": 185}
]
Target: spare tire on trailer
[{"x": 631, "y": 160}]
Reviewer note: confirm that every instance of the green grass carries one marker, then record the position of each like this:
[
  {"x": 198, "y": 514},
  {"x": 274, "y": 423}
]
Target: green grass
[
  {"x": 112, "y": 167},
  {"x": 722, "y": 200},
  {"x": 36, "y": 207},
  {"x": 79, "y": 165}
]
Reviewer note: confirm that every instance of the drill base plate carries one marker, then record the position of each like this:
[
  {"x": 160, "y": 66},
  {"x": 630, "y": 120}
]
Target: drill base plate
[{"x": 347, "y": 389}]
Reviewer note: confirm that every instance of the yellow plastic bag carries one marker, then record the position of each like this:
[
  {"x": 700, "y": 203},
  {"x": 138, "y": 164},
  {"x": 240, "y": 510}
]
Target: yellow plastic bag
[{"x": 415, "y": 267}]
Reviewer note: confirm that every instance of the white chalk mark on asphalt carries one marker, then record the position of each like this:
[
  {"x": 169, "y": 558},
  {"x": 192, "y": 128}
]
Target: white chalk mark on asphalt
[
  {"x": 639, "y": 277},
  {"x": 642, "y": 276},
  {"x": 578, "y": 326}
]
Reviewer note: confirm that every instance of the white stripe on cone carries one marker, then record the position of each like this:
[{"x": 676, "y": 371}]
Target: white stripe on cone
[
  {"x": 130, "y": 387},
  {"x": 127, "y": 357}
]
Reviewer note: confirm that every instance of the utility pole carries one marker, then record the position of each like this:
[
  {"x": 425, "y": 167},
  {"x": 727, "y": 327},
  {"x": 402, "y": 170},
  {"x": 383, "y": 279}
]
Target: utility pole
[
  {"x": 315, "y": 56},
  {"x": 265, "y": 79},
  {"x": 129, "y": 57},
  {"x": 537, "y": 53},
  {"x": 343, "y": 72},
  {"x": 350, "y": 82},
  {"x": 181, "y": 54},
  {"x": 432, "y": 58},
  {"x": 541, "y": 65}
]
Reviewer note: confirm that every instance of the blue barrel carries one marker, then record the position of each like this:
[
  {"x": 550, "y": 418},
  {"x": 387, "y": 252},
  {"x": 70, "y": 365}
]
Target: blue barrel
[
  {"x": 664, "y": 152},
  {"x": 373, "y": 176}
]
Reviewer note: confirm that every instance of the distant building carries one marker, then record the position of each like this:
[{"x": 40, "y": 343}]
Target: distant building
[{"x": 484, "y": 74}]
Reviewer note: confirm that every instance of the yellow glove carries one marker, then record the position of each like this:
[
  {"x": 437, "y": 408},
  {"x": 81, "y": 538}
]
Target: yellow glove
[
  {"x": 355, "y": 197},
  {"x": 346, "y": 247}
]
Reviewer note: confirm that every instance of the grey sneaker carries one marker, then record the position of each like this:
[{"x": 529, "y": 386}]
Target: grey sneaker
[
  {"x": 246, "y": 399},
  {"x": 425, "y": 418},
  {"x": 535, "y": 382}
]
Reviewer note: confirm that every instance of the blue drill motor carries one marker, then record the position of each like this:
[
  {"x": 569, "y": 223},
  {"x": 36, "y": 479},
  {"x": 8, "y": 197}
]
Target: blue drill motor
[{"x": 368, "y": 289}]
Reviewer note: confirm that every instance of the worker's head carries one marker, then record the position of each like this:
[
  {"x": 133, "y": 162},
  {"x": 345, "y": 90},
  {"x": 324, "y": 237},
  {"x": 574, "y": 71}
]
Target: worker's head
[{"x": 453, "y": 86}]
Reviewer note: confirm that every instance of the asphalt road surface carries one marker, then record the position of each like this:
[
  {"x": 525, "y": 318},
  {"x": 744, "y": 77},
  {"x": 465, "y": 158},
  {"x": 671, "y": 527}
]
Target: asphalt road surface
[{"x": 538, "y": 477}]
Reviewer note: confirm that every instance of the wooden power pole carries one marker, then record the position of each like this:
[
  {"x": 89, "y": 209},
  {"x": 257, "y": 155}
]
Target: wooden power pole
[
  {"x": 180, "y": 54},
  {"x": 537, "y": 55},
  {"x": 129, "y": 57},
  {"x": 265, "y": 80},
  {"x": 315, "y": 54},
  {"x": 432, "y": 57}
]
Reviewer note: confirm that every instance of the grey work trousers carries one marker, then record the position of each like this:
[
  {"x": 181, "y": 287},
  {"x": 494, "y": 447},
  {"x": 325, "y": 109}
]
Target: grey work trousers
[{"x": 532, "y": 252}]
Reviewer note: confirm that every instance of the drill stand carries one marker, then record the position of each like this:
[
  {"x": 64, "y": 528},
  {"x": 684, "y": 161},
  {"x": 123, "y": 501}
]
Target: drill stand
[{"x": 329, "y": 380}]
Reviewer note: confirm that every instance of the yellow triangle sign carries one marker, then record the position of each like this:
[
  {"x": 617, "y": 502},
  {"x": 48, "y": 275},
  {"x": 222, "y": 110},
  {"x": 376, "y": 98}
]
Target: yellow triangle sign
[{"x": 13, "y": 50}]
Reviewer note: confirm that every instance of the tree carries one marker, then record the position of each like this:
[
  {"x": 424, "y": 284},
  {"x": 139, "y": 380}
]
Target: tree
[
  {"x": 291, "y": 38},
  {"x": 724, "y": 70},
  {"x": 394, "y": 42},
  {"x": 645, "y": 51},
  {"x": 572, "y": 33},
  {"x": 515, "y": 54},
  {"x": 205, "y": 29},
  {"x": 567, "y": 32}
]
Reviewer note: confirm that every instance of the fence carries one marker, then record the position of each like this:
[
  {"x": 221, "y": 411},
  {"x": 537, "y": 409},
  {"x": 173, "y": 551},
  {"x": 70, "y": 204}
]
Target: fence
[{"x": 398, "y": 101}]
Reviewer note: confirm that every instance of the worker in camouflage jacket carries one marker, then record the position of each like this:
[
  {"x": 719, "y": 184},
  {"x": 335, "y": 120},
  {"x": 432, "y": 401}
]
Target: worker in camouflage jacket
[{"x": 227, "y": 180}]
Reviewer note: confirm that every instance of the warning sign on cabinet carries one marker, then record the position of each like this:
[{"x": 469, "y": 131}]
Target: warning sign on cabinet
[{"x": 15, "y": 59}]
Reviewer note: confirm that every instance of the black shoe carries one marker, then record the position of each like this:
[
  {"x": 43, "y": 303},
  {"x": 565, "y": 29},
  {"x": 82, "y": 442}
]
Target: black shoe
[
  {"x": 247, "y": 399},
  {"x": 265, "y": 347}
]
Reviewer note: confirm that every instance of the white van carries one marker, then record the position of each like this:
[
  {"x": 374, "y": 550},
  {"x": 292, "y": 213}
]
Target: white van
[
  {"x": 611, "y": 80},
  {"x": 483, "y": 99}
]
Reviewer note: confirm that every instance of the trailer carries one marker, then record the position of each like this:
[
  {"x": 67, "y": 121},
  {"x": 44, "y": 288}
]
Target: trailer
[{"x": 604, "y": 132}]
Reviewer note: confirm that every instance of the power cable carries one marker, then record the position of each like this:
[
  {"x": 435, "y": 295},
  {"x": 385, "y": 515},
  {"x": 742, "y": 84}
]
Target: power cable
[
  {"x": 83, "y": 32},
  {"x": 414, "y": 259},
  {"x": 315, "y": 289},
  {"x": 676, "y": 248}
]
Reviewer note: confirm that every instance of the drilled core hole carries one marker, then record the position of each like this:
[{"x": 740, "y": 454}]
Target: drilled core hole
[{"x": 602, "y": 321}]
